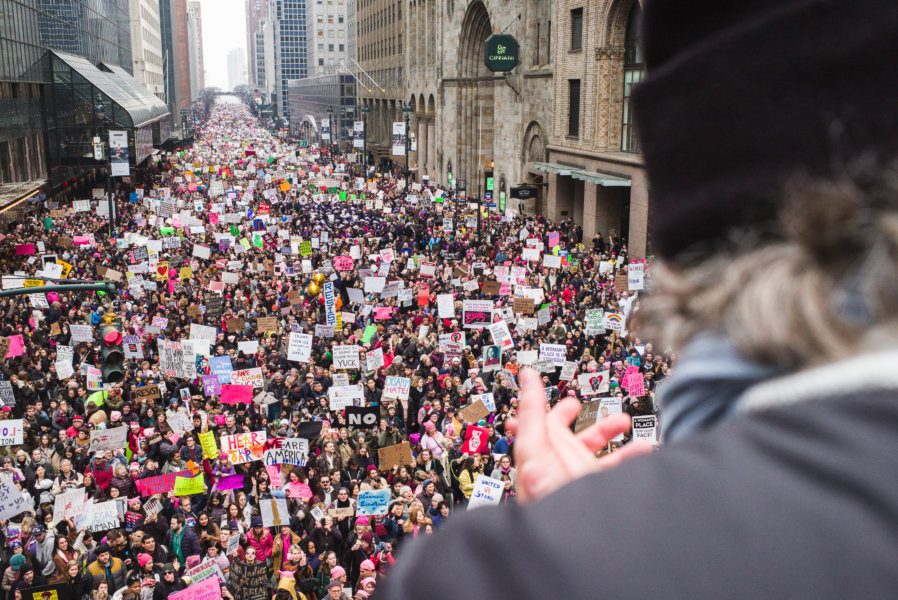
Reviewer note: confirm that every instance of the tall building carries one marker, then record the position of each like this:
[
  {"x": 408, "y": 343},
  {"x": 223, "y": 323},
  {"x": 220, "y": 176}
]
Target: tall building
[
  {"x": 257, "y": 15},
  {"x": 290, "y": 48},
  {"x": 146, "y": 45},
  {"x": 36, "y": 114},
  {"x": 379, "y": 51},
  {"x": 594, "y": 168},
  {"x": 175, "y": 59},
  {"x": 195, "y": 48},
  {"x": 327, "y": 37},
  {"x": 98, "y": 31},
  {"x": 236, "y": 68},
  {"x": 472, "y": 126}
]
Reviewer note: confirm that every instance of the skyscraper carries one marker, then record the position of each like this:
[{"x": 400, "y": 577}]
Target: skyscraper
[
  {"x": 98, "y": 31},
  {"x": 146, "y": 45},
  {"x": 236, "y": 68},
  {"x": 195, "y": 48},
  {"x": 327, "y": 36},
  {"x": 290, "y": 50},
  {"x": 175, "y": 58}
]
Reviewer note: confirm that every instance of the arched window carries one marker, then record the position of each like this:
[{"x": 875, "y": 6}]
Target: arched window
[{"x": 633, "y": 72}]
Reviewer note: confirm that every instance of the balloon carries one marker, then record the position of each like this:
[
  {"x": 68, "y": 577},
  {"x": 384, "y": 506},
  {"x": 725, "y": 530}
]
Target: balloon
[
  {"x": 313, "y": 289},
  {"x": 319, "y": 278}
]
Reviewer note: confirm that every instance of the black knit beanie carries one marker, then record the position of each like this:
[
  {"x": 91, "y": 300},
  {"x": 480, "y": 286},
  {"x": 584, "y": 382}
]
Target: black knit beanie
[{"x": 741, "y": 96}]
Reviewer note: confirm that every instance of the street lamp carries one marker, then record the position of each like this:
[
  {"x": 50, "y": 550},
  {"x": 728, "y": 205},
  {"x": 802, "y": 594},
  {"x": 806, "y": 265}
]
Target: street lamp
[
  {"x": 100, "y": 113},
  {"x": 407, "y": 109},
  {"x": 365, "y": 111}
]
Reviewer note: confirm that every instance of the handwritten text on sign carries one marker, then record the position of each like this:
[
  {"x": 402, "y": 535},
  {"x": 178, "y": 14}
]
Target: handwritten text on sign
[{"x": 244, "y": 447}]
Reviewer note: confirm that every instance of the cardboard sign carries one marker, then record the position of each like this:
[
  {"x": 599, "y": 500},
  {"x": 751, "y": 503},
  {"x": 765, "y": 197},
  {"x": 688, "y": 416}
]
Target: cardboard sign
[
  {"x": 235, "y": 325},
  {"x": 474, "y": 412},
  {"x": 523, "y": 306},
  {"x": 274, "y": 512},
  {"x": 266, "y": 324},
  {"x": 399, "y": 454},
  {"x": 148, "y": 392},
  {"x": 341, "y": 512}
]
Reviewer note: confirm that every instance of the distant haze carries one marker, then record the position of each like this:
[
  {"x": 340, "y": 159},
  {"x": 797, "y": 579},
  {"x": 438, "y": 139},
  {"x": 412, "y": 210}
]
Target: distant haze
[{"x": 224, "y": 28}]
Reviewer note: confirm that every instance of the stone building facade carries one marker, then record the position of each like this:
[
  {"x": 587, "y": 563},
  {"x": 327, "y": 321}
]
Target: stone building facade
[
  {"x": 378, "y": 50},
  {"x": 594, "y": 167},
  {"x": 467, "y": 120}
]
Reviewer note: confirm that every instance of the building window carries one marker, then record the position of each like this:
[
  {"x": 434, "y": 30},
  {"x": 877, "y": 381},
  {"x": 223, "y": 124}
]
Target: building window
[
  {"x": 634, "y": 69},
  {"x": 577, "y": 29},
  {"x": 573, "y": 119}
]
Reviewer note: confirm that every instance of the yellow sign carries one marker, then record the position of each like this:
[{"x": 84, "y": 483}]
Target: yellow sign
[
  {"x": 34, "y": 282},
  {"x": 66, "y": 268},
  {"x": 285, "y": 187},
  {"x": 185, "y": 273},
  {"x": 210, "y": 448},
  {"x": 187, "y": 486}
]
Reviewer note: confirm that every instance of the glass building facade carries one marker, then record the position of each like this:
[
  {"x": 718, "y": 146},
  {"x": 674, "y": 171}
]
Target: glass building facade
[
  {"x": 291, "y": 56},
  {"x": 98, "y": 30},
  {"x": 310, "y": 100}
]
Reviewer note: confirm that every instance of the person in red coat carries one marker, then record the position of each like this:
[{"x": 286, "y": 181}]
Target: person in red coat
[{"x": 101, "y": 470}]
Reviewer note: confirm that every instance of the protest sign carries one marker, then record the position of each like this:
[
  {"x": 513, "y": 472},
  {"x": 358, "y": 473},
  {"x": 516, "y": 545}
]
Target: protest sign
[
  {"x": 594, "y": 319},
  {"x": 12, "y": 502},
  {"x": 101, "y": 516},
  {"x": 187, "y": 486},
  {"x": 476, "y": 439},
  {"x": 487, "y": 492},
  {"x": 148, "y": 392},
  {"x": 501, "y": 335},
  {"x": 645, "y": 428},
  {"x": 286, "y": 451},
  {"x": 249, "y": 581},
  {"x": 236, "y": 394},
  {"x": 346, "y": 357},
  {"x": 554, "y": 353},
  {"x": 343, "y": 396},
  {"x": 374, "y": 359},
  {"x": 477, "y": 313},
  {"x": 252, "y": 377},
  {"x": 81, "y": 333},
  {"x": 487, "y": 400},
  {"x": 274, "y": 512},
  {"x": 397, "y": 387},
  {"x": 244, "y": 447},
  {"x": 68, "y": 504},
  {"x": 266, "y": 324},
  {"x": 613, "y": 321},
  {"x": 362, "y": 417},
  {"x": 567, "y": 370},
  {"x": 474, "y": 412},
  {"x": 230, "y": 482},
  {"x": 210, "y": 448},
  {"x": 108, "y": 439},
  {"x": 161, "y": 484},
  {"x": 152, "y": 507},
  {"x": 398, "y": 454},
  {"x": 636, "y": 276},
  {"x": 446, "y": 306},
  {"x": 203, "y": 571},
  {"x": 299, "y": 347},
  {"x": 207, "y": 589},
  {"x": 372, "y": 503},
  {"x": 492, "y": 358},
  {"x": 11, "y": 432}
]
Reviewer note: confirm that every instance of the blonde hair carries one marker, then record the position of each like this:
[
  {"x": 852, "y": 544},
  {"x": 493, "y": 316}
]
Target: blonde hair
[{"x": 815, "y": 293}]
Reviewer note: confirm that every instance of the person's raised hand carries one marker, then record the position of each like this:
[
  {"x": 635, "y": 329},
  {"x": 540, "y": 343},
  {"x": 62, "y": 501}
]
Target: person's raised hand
[{"x": 547, "y": 454}]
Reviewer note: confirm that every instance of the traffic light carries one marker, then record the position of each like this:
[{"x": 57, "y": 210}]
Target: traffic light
[{"x": 112, "y": 354}]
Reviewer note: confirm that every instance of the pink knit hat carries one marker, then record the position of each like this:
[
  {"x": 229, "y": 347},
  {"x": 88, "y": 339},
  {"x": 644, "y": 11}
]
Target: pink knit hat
[
  {"x": 337, "y": 572},
  {"x": 367, "y": 565}
]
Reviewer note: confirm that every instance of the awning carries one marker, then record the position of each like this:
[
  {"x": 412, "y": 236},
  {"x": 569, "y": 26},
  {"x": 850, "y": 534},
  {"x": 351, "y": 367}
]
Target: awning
[
  {"x": 602, "y": 179},
  {"x": 140, "y": 104},
  {"x": 13, "y": 194}
]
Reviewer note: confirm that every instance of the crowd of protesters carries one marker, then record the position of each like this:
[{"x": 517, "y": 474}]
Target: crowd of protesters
[{"x": 242, "y": 227}]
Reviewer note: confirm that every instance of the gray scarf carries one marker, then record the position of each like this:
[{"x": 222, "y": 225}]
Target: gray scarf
[{"x": 710, "y": 376}]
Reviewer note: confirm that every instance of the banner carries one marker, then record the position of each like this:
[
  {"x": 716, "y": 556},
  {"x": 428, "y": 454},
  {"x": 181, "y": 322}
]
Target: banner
[
  {"x": 399, "y": 138},
  {"x": 118, "y": 153},
  {"x": 358, "y": 134},
  {"x": 161, "y": 484},
  {"x": 330, "y": 303},
  {"x": 325, "y": 130}
]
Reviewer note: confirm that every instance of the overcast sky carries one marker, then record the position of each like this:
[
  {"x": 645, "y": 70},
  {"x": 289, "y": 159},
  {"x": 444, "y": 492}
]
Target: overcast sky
[{"x": 224, "y": 27}]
